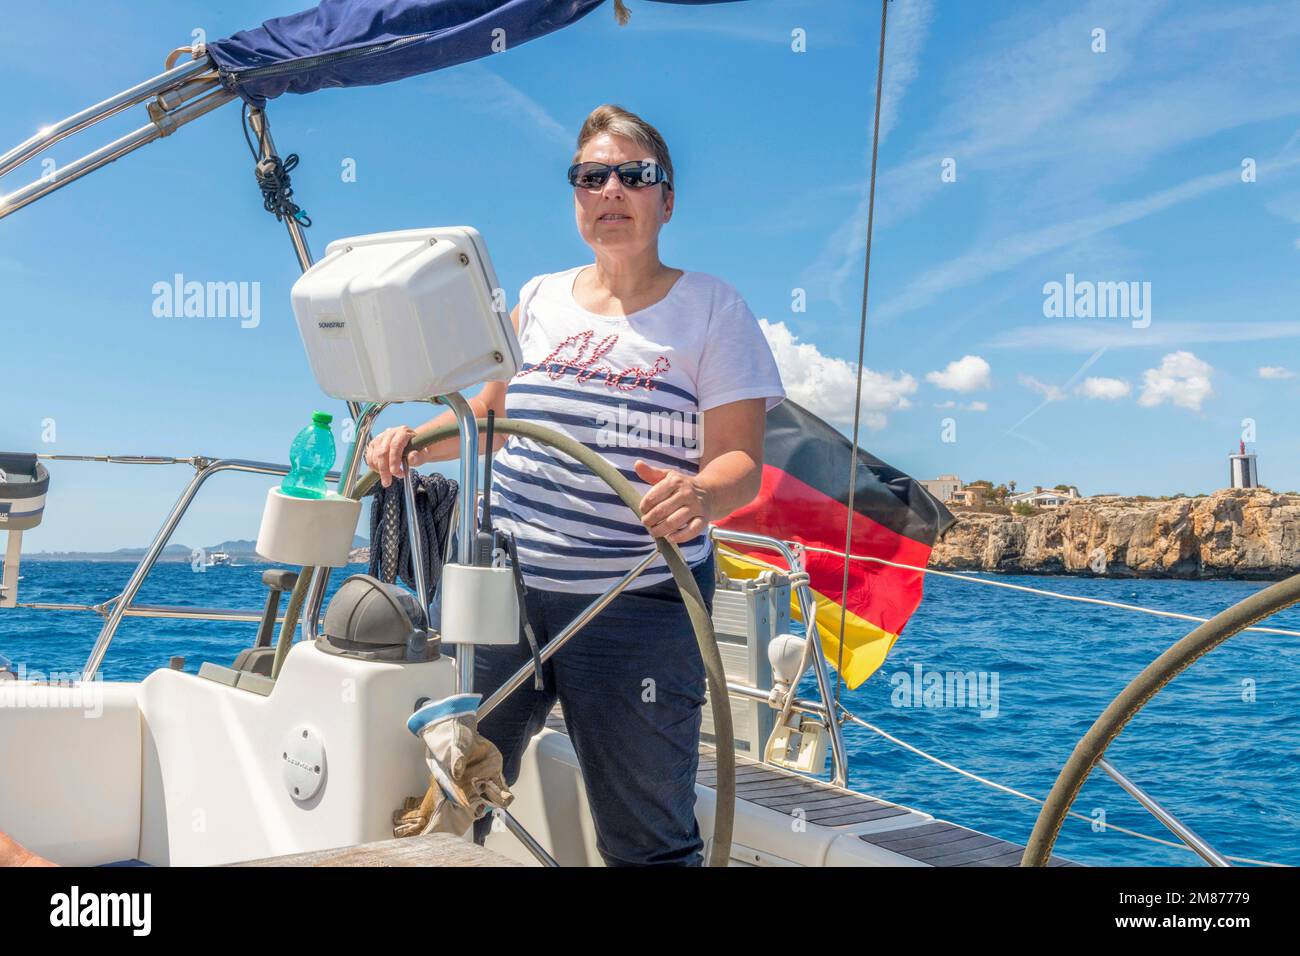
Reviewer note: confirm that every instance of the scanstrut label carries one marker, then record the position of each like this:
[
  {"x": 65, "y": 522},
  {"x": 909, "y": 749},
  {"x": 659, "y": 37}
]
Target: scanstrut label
[{"x": 331, "y": 326}]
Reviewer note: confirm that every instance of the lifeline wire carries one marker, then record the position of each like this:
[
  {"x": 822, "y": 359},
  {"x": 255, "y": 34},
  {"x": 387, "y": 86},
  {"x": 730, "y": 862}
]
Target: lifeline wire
[
  {"x": 1045, "y": 593},
  {"x": 1038, "y": 800}
]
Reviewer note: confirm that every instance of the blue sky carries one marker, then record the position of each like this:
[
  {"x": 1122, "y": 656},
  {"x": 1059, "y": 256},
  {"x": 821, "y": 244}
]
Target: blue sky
[{"x": 1123, "y": 165}]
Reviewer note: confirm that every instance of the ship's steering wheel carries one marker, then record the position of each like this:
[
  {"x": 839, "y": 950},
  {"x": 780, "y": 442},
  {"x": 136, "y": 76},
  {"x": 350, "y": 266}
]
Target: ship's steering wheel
[
  {"x": 1089, "y": 751},
  {"x": 725, "y": 805}
]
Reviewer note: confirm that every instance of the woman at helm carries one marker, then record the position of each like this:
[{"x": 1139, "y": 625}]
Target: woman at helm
[{"x": 666, "y": 373}]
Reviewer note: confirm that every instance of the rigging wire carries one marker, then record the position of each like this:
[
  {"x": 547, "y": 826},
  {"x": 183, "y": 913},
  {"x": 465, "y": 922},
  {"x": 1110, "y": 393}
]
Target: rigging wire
[{"x": 862, "y": 344}]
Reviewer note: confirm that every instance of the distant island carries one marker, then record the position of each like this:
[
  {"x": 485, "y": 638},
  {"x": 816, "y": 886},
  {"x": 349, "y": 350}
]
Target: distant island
[{"x": 241, "y": 550}]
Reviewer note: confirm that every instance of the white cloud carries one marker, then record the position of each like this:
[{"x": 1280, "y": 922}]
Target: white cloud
[
  {"x": 1182, "y": 379},
  {"x": 964, "y": 407},
  {"x": 825, "y": 385},
  {"x": 1050, "y": 393},
  {"x": 1107, "y": 389},
  {"x": 966, "y": 374},
  {"x": 1275, "y": 371}
]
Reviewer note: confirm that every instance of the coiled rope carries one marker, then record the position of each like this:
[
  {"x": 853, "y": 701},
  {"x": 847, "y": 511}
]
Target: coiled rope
[{"x": 273, "y": 180}]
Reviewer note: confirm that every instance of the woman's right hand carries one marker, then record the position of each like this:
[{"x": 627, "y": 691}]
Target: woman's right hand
[{"x": 385, "y": 453}]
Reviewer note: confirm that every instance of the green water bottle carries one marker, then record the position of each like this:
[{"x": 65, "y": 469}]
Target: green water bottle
[{"x": 311, "y": 456}]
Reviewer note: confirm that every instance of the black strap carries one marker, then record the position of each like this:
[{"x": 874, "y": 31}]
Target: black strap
[{"x": 539, "y": 682}]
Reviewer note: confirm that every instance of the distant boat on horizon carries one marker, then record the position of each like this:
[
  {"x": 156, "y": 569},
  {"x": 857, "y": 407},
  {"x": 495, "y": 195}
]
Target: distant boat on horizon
[{"x": 202, "y": 560}]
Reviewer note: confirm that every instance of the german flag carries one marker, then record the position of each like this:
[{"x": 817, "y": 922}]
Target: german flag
[{"x": 805, "y": 499}]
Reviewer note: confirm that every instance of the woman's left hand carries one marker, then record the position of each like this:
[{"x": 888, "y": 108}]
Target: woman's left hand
[{"x": 677, "y": 507}]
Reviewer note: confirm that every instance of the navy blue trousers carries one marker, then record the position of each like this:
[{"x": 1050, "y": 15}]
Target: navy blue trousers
[{"x": 631, "y": 685}]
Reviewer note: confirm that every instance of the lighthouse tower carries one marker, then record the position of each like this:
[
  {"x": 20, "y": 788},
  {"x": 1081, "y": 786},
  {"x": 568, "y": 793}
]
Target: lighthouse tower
[{"x": 1241, "y": 468}]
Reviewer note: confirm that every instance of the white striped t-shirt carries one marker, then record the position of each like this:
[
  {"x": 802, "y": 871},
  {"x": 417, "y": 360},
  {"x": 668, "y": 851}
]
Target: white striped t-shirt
[{"x": 627, "y": 387}]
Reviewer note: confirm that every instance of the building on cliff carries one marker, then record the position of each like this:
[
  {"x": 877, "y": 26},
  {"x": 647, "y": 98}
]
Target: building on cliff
[
  {"x": 1049, "y": 498},
  {"x": 950, "y": 490},
  {"x": 943, "y": 487},
  {"x": 1241, "y": 469}
]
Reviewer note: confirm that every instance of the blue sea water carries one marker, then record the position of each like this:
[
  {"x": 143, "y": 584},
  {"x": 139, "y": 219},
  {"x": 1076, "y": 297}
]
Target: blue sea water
[{"x": 1217, "y": 747}]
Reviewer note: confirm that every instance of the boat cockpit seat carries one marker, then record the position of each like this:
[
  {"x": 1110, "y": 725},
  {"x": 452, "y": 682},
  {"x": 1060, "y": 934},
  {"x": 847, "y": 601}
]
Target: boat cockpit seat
[
  {"x": 255, "y": 660},
  {"x": 258, "y": 658}
]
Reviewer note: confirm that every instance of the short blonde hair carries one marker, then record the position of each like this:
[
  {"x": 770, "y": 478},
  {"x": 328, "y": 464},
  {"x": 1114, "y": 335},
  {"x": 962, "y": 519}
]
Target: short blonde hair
[{"x": 612, "y": 119}]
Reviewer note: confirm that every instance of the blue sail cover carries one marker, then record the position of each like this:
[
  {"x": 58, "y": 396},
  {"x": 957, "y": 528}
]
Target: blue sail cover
[{"x": 366, "y": 42}]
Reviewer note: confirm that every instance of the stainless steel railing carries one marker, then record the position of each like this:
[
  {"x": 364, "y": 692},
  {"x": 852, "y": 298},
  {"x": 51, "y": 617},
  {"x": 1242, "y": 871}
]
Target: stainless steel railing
[
  {"x": 122, "y": 605},
  {"x": 205, "y": 469},
  {"x": 176, "y": 97},
  {"x": 1179, "y": 829},
  {"x": 181, "y": 612},
  {"x": 813, "y": 654}
]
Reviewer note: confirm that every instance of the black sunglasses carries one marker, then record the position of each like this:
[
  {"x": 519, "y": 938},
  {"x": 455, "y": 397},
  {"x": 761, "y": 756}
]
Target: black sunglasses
[{"x": 636, "y": 174}]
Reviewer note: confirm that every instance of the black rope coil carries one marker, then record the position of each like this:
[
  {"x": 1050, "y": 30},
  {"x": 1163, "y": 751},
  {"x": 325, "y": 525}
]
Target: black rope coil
[
  {"x": 273, "y": 179},
  {"x": 277, "y": 191}
]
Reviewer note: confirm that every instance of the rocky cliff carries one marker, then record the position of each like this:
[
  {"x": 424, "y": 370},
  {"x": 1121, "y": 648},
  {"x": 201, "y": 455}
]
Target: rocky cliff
[{"x": 1237, "y": 533}]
